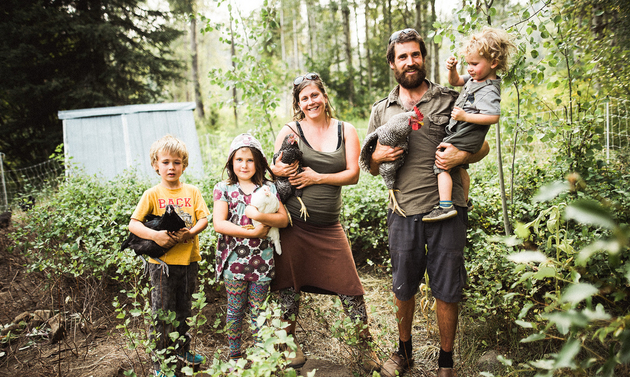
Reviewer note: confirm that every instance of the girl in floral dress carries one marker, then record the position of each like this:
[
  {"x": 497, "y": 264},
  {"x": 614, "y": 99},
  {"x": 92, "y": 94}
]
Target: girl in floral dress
[{"x": 244, "y": 257}]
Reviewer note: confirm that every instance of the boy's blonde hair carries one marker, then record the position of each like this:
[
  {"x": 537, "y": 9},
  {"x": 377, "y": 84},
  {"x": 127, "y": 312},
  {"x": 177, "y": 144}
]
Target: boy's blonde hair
[
  {"x": 169, "y": 144},
  {"x": 491, "y": 44}
]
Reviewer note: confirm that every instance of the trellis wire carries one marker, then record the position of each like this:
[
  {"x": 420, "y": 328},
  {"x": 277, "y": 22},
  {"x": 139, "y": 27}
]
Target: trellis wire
[{"x": 25, "y": 181}]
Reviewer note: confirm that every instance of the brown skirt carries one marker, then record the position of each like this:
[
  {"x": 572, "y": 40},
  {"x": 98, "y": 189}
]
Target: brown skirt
[{"x": 316, "y": 259}]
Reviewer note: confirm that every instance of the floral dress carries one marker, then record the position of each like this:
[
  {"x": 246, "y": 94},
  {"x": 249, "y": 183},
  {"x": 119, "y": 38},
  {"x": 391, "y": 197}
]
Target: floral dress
[{"x": 248, "y": 259}]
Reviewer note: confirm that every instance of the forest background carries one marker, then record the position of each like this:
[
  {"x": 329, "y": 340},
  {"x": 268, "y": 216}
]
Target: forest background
[{"x": 547, "y": 250}]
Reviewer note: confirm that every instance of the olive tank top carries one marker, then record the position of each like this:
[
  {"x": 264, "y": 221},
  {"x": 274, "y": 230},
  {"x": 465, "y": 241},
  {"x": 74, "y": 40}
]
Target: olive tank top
[{"x": 323, "y": 202}]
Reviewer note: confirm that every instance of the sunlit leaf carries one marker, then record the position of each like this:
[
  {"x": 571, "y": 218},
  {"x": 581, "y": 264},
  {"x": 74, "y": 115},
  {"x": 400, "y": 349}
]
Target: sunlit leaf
[
  {"x": 533, "y": 338},
  {"x": 566, "y": 356},
  {"x": 524, "y": 324},
  {"x": 545, "y": 272},
  {"x": 612, "y": 246},
  {"x": 550, "y": 191},
  {"x": 578, "y": 292},
  {"x": 564, "y": 320},
  {"x": 590, "y": 212},
  {"x": 527, "y": 256}
]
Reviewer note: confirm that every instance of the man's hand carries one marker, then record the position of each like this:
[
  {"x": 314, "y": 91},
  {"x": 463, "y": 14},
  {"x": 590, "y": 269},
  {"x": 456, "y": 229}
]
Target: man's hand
[
  {"x": 448, "y": 156},
  {"x": 383, "y": 153}
]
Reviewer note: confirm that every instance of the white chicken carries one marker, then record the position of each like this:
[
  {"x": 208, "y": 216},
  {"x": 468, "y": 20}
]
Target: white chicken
[{"x": 266, "y": 202}]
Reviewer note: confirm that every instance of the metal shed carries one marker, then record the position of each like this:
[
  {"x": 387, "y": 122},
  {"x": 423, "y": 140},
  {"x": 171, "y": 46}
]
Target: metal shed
[{"x": 105, "y": 141}]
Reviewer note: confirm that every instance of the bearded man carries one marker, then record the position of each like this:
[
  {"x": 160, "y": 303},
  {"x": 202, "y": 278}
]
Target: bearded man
[{"x": 416, "y": 246}]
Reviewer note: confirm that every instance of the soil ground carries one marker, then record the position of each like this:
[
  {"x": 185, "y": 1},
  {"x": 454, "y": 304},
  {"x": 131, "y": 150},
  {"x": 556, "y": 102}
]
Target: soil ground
[{"x": 94, "y": 346}]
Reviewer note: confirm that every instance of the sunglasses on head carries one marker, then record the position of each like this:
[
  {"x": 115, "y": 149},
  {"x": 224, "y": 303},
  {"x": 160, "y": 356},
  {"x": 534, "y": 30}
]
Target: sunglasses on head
[
  {"x": 397, "y": 34},
  {"x": 309, "y": 76}
]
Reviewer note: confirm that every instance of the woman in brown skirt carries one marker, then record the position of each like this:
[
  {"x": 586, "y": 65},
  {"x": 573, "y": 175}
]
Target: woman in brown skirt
[{"x": 316, "y": 255}]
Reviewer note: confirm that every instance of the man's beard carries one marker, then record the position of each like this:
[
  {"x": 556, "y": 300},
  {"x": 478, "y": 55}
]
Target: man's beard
[{"x": 411, "y": 82}]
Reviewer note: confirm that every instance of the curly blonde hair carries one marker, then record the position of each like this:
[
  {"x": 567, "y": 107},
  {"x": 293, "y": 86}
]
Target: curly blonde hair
[
  {"x": 491, "y": 44},
  {"x": 169, "y": 144}
]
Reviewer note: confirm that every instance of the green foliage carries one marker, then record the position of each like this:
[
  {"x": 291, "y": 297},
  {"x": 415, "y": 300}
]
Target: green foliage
[
  {"x": 583, "y": 308},
  {"x": 254, "y": 75},
  {"x": 364, "y": 217},
  {"x": 79, "y": 230}
]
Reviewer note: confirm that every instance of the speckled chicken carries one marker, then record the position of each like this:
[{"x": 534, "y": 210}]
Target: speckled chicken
[
  {"x": 394, "y": 133},
  {"x": 266, "y": 202},
  {"x": 290, "y": 153},
  {"x": 170, "y": 222}
]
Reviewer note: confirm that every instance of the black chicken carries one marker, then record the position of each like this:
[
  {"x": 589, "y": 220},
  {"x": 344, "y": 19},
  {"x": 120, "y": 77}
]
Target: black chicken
[
  {"x": 394, "y": 133},
  {"x": 290, "y": 153},
  {"x": 170, "y": 222}
]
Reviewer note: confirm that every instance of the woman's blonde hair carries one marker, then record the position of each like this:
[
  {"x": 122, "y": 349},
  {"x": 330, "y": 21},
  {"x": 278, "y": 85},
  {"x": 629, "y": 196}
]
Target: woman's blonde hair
[
  {"x": 171, "y": 145},
  {"x": 491, "y": 44}
]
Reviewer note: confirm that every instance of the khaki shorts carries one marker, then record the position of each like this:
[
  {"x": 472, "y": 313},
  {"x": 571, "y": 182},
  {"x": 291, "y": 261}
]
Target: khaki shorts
[{"x": 436, "y": 247}]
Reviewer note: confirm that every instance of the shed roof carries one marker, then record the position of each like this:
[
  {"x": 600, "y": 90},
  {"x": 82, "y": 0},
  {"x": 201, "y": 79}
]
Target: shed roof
[{"x": 129, "y": 109}]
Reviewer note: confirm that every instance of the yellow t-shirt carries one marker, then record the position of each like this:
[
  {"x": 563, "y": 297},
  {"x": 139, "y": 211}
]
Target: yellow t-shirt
[{"x": 189, "y": 205}]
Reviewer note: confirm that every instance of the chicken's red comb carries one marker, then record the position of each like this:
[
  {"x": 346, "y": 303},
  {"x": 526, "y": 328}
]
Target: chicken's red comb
[
  {"x": 416, "y": 124},
  {"x": 419, "y": 114}
]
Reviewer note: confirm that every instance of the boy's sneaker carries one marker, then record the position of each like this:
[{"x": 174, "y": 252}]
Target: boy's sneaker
[
  {"x": 189, "y": 358},
  {"x": 439, "y": 214}
]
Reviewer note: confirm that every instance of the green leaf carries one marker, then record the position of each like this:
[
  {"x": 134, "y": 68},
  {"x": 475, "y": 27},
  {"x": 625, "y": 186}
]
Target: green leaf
[
  {"x": 504, "y": 361},
  {"x": 534, "y": 54},
  {"x": 565, "y": 320},
  {"x": 624, "y": 352},
  {"x": 550, "y": 191},
  {"x": 533, "y": 338},
  {"x": 135, "y": 312},
  {"x": 522, "y": 231},
  {"x": 590, "y": 212},
  {"x": 524, "y": 324},
  {"x": 527, "y": 257},
  {"x": 545, "y": 272},
  {"x": 578, "y": 292},
  {"x": 437, "y": 39},
  {"x": 566, "y": 356}
]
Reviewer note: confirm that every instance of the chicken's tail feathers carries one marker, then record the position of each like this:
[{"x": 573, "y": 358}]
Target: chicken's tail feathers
[
  {"x": 369, "y": 144},
  {"x": 277, "y": 246},
  {"x": 125, "y": 243}
]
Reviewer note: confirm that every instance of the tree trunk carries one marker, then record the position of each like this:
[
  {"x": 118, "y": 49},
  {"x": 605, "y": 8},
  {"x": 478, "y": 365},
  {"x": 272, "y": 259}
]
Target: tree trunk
[
  {"x": 356, "y": 24},
  {"x": 345, "y": 12},
  {"x": 310, "y": 12},
  {"x": 234, "y": 94},
  {"x": 387, "y": 16},
  {"x": 284, "y": 51},
  {"x": 368, "y": 57},
  {"x": 435, "y": 46},
  {"x": 195, "y": 67},
  {"x": 296, "y": 50},
  {"x": 423, "y": 24},
  {"x": 333, "y": 12},
  {"x": 506, "y": 219}
]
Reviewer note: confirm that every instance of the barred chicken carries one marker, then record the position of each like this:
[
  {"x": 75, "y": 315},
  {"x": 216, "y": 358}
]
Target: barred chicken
[
  {"x": 394, "y": 133},
  {"x": 290, "y": 153},
  {"x": 170, "y": 222}
]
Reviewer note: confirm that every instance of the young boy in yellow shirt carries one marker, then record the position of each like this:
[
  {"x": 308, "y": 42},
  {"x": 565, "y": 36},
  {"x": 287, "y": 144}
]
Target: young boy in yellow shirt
[{"x": 172, "y": 292}]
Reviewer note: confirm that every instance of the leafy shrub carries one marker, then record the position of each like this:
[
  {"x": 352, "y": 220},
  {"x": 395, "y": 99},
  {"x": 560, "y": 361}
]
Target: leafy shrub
[
  {"x": 79, "y": 230},
  {"x": 364, "y": 216}
]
